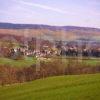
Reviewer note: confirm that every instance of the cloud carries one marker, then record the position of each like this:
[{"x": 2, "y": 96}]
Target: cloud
[
  {"x": 45, "y": 7},
  {"x": 57, "y": 10}
]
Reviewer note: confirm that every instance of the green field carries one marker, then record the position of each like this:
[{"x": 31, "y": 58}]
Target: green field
[
  {"x": 74, "y": 87},
  {"x": 82, "y": 61},
  {"x": 28, "y": 61}
]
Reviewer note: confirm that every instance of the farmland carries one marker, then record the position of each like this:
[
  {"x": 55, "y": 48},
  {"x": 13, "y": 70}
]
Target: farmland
[
  {"x": 71, "y": 87},
  {"x": 28, "y": 61}
]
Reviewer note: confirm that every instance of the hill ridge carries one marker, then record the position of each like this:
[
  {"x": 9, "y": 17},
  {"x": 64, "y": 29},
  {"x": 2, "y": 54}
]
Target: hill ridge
[{"x": 5, "y": 25}]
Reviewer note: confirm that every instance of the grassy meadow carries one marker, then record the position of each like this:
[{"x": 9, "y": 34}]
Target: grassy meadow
[
  {"x": 27, "y": 61},
  {"x": 70, "y": 87}
]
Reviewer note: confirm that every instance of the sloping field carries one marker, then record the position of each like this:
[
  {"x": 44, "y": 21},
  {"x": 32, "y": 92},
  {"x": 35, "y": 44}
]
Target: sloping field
[
  {"x": 74, "y": 87},
  {"x": 26, "y": 62}
]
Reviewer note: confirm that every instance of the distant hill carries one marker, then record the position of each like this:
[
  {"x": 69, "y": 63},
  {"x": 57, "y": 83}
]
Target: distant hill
[
  {"x": 66, "y": 33},
  {"x": 39, "y": 26}
]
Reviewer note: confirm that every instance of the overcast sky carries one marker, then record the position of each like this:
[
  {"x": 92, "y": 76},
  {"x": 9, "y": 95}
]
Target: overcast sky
[{"x": 52, "y": 12}]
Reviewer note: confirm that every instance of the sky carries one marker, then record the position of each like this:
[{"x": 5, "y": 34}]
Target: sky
[{"x": 84, "y": 13}]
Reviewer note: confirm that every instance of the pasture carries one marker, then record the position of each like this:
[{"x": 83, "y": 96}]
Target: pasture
[
  {"x": 26, "y": 62},
  {"x": 70, "y": 87},
  {"x": 84, "y": 61}
]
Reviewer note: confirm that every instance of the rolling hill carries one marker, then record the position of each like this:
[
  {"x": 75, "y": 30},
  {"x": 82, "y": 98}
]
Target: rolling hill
[
  {"x": 74, "y": 87},
  {"x": 67, "y": 33}
]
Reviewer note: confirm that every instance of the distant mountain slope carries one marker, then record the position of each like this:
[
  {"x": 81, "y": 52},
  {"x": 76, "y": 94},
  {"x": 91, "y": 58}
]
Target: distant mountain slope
[
  {"x": 50, "y": 32},
  {"x": 38, "y": 26}
]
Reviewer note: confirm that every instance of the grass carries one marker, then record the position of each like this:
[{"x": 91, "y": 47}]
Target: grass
[
  {"x": 28, "y": 61},
  {"x": 82, "y": 61},
  {"x": 74, "y": 87},
  {"x": 92, "y": 62}
]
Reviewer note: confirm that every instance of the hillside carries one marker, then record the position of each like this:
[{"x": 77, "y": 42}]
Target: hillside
[
  {"x": 74, "y": 87},
  {"x": 49, "y": 32},
  {"x": 38, "y": 26}
]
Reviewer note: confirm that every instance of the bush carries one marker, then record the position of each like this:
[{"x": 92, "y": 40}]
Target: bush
[{"x": 9, "y": 75}]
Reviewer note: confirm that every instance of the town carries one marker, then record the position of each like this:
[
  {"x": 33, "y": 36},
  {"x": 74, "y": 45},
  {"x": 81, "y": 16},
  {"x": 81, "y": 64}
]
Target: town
[{"x": 45, "y": 48}]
